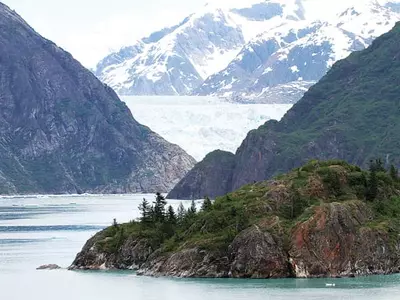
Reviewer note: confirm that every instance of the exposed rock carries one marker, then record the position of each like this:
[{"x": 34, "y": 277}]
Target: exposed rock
[
  {"x": 132, "y": 254},
  {"x": 312, "y": 222},
  {"x": 63, "y": 131},
  {"x": 336, "y": 242},
  {"x": 205, "y": 183},
  {"x": 258, "y": 254},
  {"x": 49, "y": 267},
  {"x": 188, "y": 263}
]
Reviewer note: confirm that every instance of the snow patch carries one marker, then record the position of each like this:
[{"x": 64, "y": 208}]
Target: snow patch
[{"x": 267, "y": 70}]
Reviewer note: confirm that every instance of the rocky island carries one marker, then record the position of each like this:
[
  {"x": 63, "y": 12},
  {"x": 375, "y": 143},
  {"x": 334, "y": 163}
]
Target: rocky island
[{"x": 324, "y": 219}]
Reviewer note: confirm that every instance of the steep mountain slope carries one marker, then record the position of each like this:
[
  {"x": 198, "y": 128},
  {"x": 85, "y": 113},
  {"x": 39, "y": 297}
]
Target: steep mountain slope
[
  {"x": 205, "y": 186},
  {"x": 351, "y": 114},
  {"x": 177, "y": 60},
  {"x": 63, "y": 131},
  {"x": 299, "y": 52},
  {"x": 246, "y": 51}
]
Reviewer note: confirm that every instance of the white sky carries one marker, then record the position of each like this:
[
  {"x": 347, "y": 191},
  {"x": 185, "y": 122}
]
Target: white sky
[{"x": 90, "y": 29}]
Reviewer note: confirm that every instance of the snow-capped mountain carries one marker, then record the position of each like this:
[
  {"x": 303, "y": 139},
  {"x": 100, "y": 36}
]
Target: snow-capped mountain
[
  {"x": 298, "y": 53},
  {"x": 265, "y": 50},
  {"x": 177, "y": 60}
]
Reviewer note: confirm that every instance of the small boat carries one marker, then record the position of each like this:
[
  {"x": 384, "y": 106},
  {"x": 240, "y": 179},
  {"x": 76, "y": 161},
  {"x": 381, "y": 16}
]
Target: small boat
[{"x": 330, "y": 284}]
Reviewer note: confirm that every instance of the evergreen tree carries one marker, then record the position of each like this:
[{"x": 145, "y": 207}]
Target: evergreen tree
[
  {"x": 171, "y": 216},
  {"x": 192, "y": 209},
  {"x": 191, "y": 212},
  {"x": 145, "y": 210},
  {"x": 181, "y": 212},
  {"x": 376, "y": 166},
  {"x": 207, "y": 204},
  {"x": 159, "y": 208},
  {"x": 394, "y": 173}
]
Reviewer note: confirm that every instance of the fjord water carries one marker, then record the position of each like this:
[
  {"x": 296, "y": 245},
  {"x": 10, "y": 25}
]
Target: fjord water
[{"x": 43, "y": 230}]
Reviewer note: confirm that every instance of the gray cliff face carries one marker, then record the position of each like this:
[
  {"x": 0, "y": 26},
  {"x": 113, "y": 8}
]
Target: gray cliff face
[
  {"x": 133, "y": 253},
  {"x": 256, "y": 253},
  {"x": 203, "y": 182},
  {"x": 63, "y": 131}
]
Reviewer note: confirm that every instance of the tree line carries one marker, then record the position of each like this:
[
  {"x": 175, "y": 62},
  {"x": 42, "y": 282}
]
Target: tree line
[
  {"x": 159, "y": 212},
  {"x": 375, "y": 167}
]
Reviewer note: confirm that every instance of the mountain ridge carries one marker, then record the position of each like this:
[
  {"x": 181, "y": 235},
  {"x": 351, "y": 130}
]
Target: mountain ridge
[
  {"x": 63, "y": 131},
  {"x": 350, "y": 114},
  {"x": 240, "y": 60}
]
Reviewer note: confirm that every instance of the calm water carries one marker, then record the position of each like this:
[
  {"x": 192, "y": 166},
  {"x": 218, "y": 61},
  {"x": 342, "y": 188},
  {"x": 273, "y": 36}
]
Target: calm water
[{"x": 36, "y": 231}]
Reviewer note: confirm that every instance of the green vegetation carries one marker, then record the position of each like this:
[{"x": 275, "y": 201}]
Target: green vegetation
[
  {"x": 276, "y": 205},
  {"x": 353, "y": 114}
]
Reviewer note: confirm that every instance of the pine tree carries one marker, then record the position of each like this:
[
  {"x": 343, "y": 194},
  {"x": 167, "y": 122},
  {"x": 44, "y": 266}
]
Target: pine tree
[
  {"x": 159, "y": 208},
  {"x": 171, "y": 216},
  {"x": 207, "y": 204},
  {"x": 181, "y": 213},
  {"x": 376, "y": 165},
  {"x": 145, "y": 210},
  {"x": 192, "y": 209}
]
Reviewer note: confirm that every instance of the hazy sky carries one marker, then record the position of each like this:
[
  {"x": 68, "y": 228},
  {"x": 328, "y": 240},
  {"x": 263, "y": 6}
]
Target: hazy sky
[{"x": 90, "y": 29}]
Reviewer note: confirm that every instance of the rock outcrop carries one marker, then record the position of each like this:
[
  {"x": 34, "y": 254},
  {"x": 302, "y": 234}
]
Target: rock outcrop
[
  {"x": 335, "y": 243},
  {"x": 49, "y": 267},
  {"x": 351, "y": 114},
  {"x": 312, "y": 222},
  {"x": 203, "y": 182},
  {"x": 63, "y": 131}
]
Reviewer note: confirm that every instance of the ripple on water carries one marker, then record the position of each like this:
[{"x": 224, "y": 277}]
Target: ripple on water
[{"x": 34, "y": 228}]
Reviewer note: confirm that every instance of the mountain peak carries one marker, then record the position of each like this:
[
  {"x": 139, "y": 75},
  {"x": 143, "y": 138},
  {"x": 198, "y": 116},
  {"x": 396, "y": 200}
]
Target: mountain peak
[
  {"x": 63, "y": 131},
  {"x": 351, "y": 114},
  {"x": 11, "y": 15},
  {"x": 244, "y": 48}
]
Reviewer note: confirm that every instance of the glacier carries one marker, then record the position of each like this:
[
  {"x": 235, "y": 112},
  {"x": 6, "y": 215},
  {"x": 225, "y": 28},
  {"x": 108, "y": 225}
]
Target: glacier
[{"x": 200, "y": 125}]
